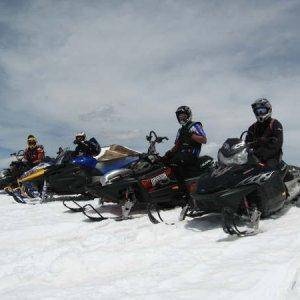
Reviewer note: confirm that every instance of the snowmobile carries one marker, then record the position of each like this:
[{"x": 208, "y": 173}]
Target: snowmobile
[
  {"x": 8, "y": 177},
  {"x": 65, "y": 179},
  {"x": 148, "y": 183},
  {"x": 241, "y": 188}
]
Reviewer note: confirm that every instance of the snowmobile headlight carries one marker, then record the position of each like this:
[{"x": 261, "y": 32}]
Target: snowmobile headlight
[{"x": 239, "y": 158}]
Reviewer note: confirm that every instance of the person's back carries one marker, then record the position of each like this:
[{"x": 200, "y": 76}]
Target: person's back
[{"x": 265, "y": 136}]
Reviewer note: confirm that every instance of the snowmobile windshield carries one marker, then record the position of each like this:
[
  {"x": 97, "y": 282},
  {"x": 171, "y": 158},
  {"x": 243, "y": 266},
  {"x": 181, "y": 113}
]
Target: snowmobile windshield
[
  {"x": 3, "y": 173},
  {"x": 62, "y": 155},
  {"x": 238, "y": 158}
]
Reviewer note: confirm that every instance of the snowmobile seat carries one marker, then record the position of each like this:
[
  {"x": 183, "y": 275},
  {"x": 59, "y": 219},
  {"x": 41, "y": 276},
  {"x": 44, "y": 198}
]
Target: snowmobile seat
[{"x": 116, "y": 152}]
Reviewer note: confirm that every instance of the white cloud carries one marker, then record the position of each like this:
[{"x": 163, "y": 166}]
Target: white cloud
[{"x": 116, "y": 68}]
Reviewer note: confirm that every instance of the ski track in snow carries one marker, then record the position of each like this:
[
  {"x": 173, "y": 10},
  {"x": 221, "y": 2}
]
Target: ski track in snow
[{"x": 49, "y": 253}]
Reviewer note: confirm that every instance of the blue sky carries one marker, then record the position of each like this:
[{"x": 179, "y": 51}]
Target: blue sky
[{"x": 117, "y": 69}]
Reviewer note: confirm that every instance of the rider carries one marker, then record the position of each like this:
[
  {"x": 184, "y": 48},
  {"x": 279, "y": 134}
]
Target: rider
[
  {"x": 266, "y": 135},
  {"x": 188, "y": 143},
  {"x": 34, "y": 153},
  {"x": 86, "y": 147}
]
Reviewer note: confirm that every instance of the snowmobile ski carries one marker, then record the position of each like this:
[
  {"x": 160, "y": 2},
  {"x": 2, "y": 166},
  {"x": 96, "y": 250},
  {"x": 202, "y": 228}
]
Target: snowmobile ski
[
  {"x": 77, "y": 208},
  {"x": 94, "y": 215},
  {"x": 231, "y": 221},
  {"x": 153, "y": 208}
]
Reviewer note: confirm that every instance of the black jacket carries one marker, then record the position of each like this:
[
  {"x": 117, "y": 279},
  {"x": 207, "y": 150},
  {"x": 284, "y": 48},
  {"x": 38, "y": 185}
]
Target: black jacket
[
  {"x": 87, "y": 148},
  {"x": 266, "y": 139}
]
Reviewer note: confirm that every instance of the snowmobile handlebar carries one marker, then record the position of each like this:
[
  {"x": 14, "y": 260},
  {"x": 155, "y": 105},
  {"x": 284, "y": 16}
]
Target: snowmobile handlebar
[
  {"x": 153, "y": 138},
  {"x": 157, "y": 139},
  {"x": 18, "y": 155}
]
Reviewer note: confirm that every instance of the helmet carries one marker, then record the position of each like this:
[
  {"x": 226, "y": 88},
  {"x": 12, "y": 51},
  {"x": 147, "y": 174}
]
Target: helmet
[
  {"x": 31, "y": 141},
  {"x": 80, "y": 136},
  {"x": 183, "y": 110},
  {"x": 262, "y": 109}
]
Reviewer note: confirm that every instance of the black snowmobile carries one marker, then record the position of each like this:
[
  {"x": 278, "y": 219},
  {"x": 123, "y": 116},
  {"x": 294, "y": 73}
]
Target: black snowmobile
[
  {"x": 148, "y": 183},
  {"x": 240, "y": 188},
  {"x": 66, "y": 178},
  {"x": 9, "y": 177}
]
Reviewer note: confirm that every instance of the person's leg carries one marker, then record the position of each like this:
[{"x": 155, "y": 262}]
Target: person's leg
[{"x": 181, "y": 163}]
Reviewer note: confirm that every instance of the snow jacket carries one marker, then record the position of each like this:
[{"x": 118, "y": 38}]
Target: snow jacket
[
  {"x": 34, "y": 156},
  {"x": 266, "y": 139},
  {"x": 183, "y": 141},
  {"x": 87, "y": 148}
]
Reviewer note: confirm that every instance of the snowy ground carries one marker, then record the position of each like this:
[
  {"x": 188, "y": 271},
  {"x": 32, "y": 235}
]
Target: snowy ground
[{"x": 49, "y": 253}]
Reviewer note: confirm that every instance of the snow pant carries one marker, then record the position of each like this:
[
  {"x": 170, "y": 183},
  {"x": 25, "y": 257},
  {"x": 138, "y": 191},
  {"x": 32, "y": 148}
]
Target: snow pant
[{"x": 182, "y": 163}]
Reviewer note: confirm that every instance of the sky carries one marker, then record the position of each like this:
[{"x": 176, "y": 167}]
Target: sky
[{"x": 117, "y": 69}]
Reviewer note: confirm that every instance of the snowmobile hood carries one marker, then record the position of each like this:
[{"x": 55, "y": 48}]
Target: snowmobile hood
[
  {"x": 225, "y": 177},
  {"x": 85, "y": 161},
  {"x": 32, "y": 176},
  {"x": 108, "y": 166}
]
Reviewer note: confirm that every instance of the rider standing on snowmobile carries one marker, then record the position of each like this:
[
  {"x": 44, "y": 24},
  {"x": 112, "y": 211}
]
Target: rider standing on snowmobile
[
  {"x": 34, "y": 153},
  {"x": 266, "y": 135},
  {"x": 86, "y": 147},
  {"x": 185, "y": 153}
]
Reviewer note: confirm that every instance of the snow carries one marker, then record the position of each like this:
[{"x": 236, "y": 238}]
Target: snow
[{"x": 47, "y": 252}]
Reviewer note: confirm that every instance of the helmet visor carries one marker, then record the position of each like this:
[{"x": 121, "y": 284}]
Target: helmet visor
[
  {"x": 31, "y": 143},
  {"x": 80, "y": 138},
  {"x": 182, "y": 117},
  {"x": 260, "y": 111}
]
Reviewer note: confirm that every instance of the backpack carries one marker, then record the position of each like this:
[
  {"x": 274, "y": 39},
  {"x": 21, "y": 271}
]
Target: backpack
[{"x": 95, "y": 147}]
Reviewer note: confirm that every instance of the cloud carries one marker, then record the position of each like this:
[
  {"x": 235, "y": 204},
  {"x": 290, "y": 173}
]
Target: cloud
[{"x": 116, "y": 68}]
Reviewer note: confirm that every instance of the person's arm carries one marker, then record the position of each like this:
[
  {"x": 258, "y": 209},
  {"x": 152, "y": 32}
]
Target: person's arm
[
  {"x": 250, "y": 135},
  {"x": 199, "y": 139},
  {"x": 198, "y": 135},
  {"x": 273, "y": 144}
]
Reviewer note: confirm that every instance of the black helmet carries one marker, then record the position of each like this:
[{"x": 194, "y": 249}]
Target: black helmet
[
  {"x": 184, "y": 110},
  {"x": 262, "y": 109}
]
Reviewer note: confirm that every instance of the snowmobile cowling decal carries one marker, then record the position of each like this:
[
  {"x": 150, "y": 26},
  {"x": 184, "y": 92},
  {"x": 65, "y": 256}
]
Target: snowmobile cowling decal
[
  {"x": 220, "y": 171},
  {"x": 159, "y": 178},
  {"x": 258, "y": 179}
]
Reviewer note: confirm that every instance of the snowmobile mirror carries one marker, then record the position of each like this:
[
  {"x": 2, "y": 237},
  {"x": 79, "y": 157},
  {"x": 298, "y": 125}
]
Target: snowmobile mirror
[{"x": 243, "y": 133}]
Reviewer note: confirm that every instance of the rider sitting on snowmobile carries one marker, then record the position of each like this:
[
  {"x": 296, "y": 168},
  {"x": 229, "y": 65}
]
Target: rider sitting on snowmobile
[
  {"x": 265, "y": 136},
  {"x": 34, "y": 153},
  {"x": 185, "y": 153},
  {"x": 86, "y": 147}
]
